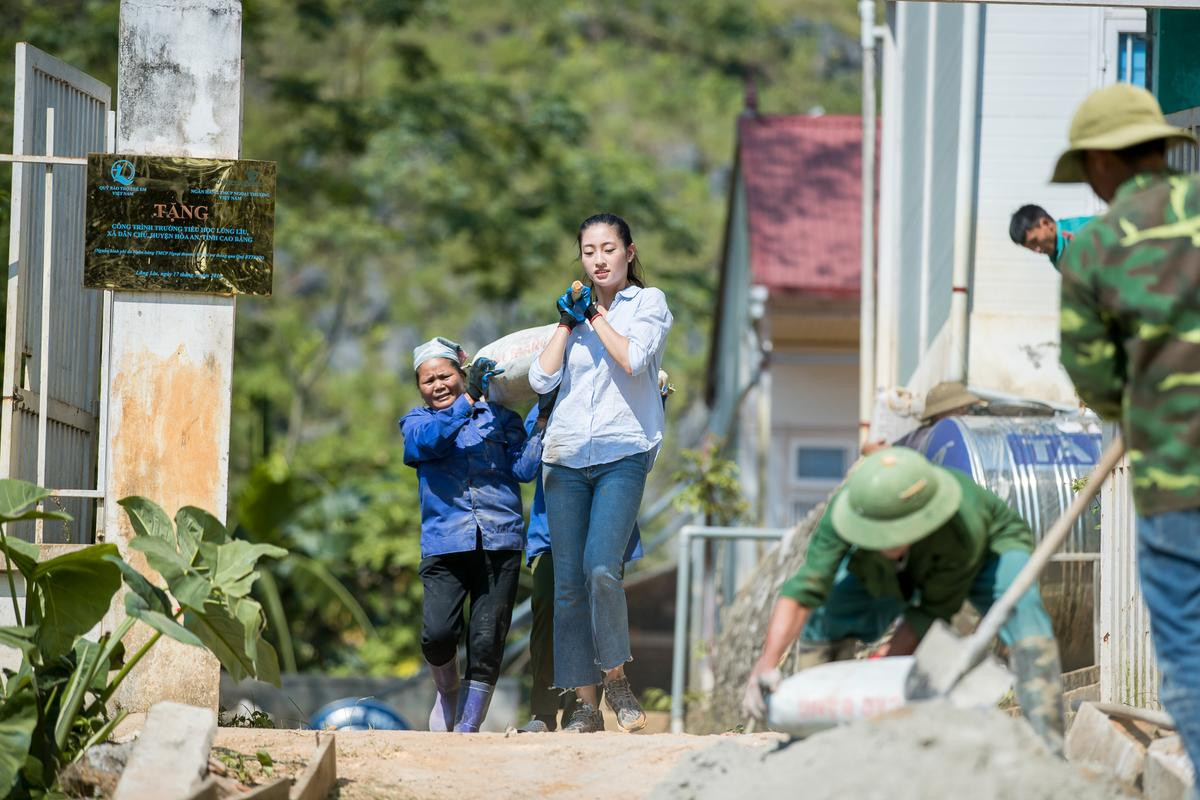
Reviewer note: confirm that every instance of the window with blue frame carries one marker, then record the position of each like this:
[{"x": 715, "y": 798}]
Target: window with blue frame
[
  {"x": 1131, "y": 58},
  {"x": 821, "y": 463}
]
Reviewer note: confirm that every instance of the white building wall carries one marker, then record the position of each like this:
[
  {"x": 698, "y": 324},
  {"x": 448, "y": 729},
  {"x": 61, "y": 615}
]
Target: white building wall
[
  {"x": 814, "y": 403},
  {"x": 1038, "y": 63}
]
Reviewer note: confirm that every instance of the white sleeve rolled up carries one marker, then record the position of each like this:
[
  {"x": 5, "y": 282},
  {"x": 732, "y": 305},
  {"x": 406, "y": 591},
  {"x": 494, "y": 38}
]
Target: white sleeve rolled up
[{"x": 648, "y": 329}]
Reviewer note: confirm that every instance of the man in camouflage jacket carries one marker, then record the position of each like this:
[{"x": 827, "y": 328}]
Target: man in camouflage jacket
[{"x": 1131, "y": 343}]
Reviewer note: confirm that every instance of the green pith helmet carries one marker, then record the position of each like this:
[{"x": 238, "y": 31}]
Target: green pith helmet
[
  {"x": 893, "y": 498},
  {"x": 1113, "y": 118}
]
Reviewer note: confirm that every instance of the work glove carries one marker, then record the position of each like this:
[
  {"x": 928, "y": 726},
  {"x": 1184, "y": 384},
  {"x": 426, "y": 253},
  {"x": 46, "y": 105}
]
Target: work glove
[
  {"x": 481, "y": 371},
  {"x": 546, "y": 405},
  {"x": 587, "y": 304},
  {"x": 665, "y": 387},
  {"x": 754, "y": 701},
  {"x": 570, "y": 312}
]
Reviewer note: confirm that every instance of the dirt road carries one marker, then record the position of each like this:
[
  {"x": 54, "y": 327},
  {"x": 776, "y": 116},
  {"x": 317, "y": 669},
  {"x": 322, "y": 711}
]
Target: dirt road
[{"x": 443, "y": 766}]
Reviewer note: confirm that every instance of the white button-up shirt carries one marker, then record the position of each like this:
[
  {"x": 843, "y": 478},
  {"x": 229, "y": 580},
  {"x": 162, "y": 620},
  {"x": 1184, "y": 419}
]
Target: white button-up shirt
[{"x": 602, "y": 413}]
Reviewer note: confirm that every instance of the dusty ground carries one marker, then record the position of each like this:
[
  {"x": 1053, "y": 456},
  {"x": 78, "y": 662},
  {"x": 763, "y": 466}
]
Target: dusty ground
[{"x": 437, "y": 766}]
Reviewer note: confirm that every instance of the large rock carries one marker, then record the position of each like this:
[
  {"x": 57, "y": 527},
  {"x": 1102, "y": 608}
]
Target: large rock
[
  {"x": 1169, "y": 774},
  {"x": 97, "y": 773},
  {"x": 1116, "y": 746},
  {"x": 170, "y": 758}
]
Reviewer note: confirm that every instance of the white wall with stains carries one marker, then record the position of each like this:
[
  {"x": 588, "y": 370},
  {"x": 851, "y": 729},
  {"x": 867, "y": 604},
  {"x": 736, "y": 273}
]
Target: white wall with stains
[{"x": 171, "y": 354}]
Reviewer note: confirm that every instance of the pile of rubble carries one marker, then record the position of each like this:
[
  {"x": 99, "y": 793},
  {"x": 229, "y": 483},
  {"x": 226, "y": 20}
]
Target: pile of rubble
[{"x": 1141, "y": 753}]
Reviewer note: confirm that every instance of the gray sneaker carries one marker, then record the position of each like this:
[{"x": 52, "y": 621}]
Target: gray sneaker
[
  {"x": 537, "y": 725},
  {"x": 620, "y": 700},
  {"x": 586, "y": 719}
]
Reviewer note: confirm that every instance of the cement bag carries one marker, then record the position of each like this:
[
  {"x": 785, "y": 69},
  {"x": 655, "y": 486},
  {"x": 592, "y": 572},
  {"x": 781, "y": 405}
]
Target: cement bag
[
  {"x": 826, "y": 695},
  {"x": 515, "y": 353}
]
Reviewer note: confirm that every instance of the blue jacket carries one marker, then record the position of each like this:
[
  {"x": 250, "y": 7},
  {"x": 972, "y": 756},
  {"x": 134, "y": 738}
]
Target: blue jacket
[
  {"x": 538, "y": 538},
  {"x": 468, "y": 461}
]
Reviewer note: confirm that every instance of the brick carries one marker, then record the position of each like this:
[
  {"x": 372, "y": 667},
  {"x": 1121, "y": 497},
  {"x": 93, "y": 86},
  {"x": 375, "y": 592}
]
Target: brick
[
  {"x": 1117, "y": 747},
  {"x": 1169, "y": 774}
]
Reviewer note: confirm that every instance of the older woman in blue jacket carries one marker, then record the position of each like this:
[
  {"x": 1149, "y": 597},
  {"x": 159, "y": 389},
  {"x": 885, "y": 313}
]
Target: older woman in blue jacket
[{"x": 469, "y": 455}]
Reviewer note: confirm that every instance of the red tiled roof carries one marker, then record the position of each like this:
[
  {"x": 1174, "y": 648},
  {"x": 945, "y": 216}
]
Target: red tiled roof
[{"x": 803, "y": 187}]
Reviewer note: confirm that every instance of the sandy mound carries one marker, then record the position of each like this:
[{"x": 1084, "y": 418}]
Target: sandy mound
[{"x": 917, "y": 753}]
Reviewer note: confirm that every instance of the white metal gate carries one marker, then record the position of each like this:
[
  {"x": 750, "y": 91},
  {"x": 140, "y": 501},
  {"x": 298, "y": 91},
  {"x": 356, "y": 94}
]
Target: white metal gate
[
  {"x": 1128, "y": 667},
  {"x": 50, "y": 419}
]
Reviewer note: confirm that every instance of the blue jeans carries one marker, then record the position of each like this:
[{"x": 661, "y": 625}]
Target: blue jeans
[
  {"x": 591, "y": 512},
  {"x": 1169, "y": 566},
  {"x": 851, "y": 612}
]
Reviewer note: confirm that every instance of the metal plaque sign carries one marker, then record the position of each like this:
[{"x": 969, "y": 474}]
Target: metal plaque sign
[{"x": 171, "y": 223}]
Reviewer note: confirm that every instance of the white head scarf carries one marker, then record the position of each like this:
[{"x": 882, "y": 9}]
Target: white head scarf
[{"x": 438, "y": 347}]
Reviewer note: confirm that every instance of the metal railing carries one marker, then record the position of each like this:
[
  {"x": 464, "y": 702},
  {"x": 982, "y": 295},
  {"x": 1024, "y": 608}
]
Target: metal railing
[{"x": 688, "y": 536}]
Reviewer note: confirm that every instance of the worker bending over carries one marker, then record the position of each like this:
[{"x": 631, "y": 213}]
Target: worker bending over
[{"x": 904, "y": 538}]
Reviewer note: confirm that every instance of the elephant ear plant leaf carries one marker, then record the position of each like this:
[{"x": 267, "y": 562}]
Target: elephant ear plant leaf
[{"x": 55, "y": 705}]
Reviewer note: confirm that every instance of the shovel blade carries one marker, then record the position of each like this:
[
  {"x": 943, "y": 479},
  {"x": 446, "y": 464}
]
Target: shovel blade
[
  {"x": 940, "y": 661},
  {"x": 982, "y": 687}
]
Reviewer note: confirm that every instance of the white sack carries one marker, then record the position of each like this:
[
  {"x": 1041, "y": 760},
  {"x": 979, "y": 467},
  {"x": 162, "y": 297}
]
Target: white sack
[
  {"x": 826, "y": 695},
  {"x": 515, "y": 352}
]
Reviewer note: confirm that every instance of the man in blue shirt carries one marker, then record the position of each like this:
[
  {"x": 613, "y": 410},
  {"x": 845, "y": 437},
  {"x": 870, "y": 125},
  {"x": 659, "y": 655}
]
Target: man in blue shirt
[{"x": 1034, "y": 229}]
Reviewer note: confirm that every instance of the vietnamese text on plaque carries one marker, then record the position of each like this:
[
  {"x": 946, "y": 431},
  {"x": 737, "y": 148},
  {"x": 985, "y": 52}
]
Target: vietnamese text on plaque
[{"x": 172, "y": 223}]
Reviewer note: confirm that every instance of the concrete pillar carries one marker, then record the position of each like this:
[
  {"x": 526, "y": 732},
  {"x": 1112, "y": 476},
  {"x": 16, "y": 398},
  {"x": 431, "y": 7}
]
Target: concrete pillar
[{"x": 170, "y": 354}]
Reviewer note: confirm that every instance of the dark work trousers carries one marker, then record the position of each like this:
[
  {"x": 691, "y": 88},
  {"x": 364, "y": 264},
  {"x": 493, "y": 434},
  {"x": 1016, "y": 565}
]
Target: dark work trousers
[
  {"x": 544, "y": 701},
  {"x": 489, "y": 578}
]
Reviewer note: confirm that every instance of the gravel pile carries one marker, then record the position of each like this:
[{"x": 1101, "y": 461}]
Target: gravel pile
[{"x": 925, "y": 751}]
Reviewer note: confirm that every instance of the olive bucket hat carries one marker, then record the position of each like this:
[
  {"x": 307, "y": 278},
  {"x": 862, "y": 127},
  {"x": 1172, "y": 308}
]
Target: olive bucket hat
[
  {"x": 1113, "y": 118},
  {"x": 892, "y": 498}
]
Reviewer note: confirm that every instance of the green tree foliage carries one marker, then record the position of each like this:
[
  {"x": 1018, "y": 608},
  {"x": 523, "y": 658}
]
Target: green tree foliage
[
  {"x": 712, "y": 488},
  {"x": 435, "y": 158}
]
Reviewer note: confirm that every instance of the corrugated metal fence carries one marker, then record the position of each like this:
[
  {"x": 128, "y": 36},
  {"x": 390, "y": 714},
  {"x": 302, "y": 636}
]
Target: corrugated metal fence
[
  {"x": 50, "y": 427},
  {"x": 1185, "y": 158},
  {"x": 1128, "y": 668}
]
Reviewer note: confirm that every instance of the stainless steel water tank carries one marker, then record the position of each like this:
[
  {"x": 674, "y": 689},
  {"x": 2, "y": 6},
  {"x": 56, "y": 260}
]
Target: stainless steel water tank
[{"x": 1032, "y": 463}]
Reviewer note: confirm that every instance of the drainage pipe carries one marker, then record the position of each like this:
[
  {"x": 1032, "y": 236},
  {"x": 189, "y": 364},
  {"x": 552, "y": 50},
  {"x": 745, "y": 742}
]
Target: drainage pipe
[{"x": 866, "y": 320}]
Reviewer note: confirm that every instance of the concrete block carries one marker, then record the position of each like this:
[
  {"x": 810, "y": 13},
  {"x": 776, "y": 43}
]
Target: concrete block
[
  {"x": 320, "y": 776},
  {"x": 1169, "y": 774},
  {"x": 1117, "y": 747},
  {"x": 170, "y": 758}
]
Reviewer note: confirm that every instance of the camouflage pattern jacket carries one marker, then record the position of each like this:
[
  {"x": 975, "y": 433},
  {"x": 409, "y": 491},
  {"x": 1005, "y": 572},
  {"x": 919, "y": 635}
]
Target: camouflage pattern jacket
[{"x": 1131, "y": 331}]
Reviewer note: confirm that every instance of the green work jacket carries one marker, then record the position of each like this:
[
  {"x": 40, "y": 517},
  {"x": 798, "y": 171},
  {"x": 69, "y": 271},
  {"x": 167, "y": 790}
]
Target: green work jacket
[{"x": 940, "y": 568}]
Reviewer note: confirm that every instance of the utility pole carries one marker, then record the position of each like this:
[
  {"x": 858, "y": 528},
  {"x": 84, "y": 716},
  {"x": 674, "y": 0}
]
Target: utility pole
[{"x": 179, "y": 93}]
